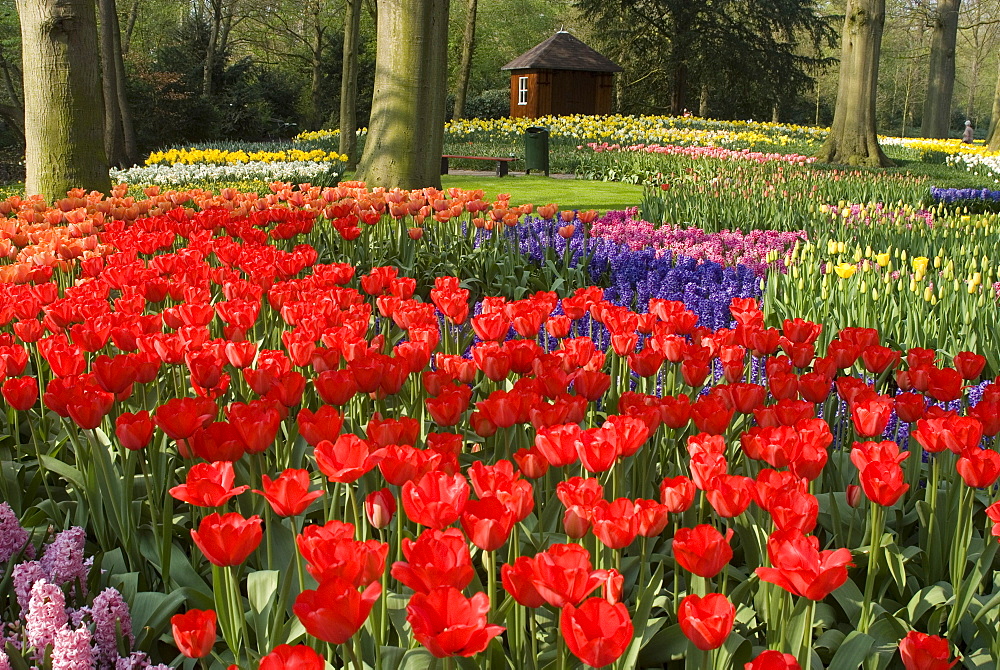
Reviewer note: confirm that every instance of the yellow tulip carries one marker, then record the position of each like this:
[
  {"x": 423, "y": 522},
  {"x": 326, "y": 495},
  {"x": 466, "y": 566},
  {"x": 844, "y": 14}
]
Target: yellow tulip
[{"x": 845, "y": 270}]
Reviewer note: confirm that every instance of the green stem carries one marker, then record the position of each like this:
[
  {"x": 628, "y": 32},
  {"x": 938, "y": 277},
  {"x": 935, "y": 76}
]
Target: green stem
[
  {"x": 805, "y": 656},
  {"x": 874, "y": 550},
  {"x": 491, "y": 580}
]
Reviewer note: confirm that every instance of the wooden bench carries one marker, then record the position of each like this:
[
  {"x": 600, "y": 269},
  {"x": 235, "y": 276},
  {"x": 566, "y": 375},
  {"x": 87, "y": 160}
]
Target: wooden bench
[{"x": 502, "y": 167}]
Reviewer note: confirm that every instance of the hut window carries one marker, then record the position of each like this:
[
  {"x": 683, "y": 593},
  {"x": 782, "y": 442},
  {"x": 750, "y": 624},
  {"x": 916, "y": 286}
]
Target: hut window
[{"x": 522, "y": 90}]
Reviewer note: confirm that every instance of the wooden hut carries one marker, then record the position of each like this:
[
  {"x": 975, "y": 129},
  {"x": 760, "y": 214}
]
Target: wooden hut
[{"x": 562, "y": 75}]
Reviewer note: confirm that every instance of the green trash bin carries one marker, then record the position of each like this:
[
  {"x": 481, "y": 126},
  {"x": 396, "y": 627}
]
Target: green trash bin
[{"x": 536, "y": 150}]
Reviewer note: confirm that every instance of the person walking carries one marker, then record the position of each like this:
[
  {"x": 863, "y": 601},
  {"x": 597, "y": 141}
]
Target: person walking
[{"x": 969, "y": 132}]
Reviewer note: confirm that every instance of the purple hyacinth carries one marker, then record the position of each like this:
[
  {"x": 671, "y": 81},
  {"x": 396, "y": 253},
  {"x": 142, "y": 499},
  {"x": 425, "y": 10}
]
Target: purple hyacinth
[
  {"x": 110, "y": 615},
  {"x": 25, "y": 575},
  {"x": 64, "y": 561},
  {"x": 12, "y": 536}
]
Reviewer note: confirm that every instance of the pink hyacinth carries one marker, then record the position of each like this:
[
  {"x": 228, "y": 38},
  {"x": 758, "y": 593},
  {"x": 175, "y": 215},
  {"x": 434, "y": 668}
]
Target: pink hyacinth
[{"x": 72, "y": 650}]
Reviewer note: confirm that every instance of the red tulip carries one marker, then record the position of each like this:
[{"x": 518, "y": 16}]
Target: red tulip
[
  {"x": 346, "y": 460},
  {"x": 194, "y": 632},
  {"x": 944, "y": 385},
  {"x": 921, "y": 651},
  {"x": 179, "y": 418},
  {"x": 227, "y": 540},
  {"x": 993, "y": 512},
  {"x": 289, "y": 494},
  {"x": 792, "y": 509},
  {"x": 518, "y": 581},
  {"x": 956, "y": 433},
  {"x": 801, "y": 568},
  {"x": 287, "y": 657},
  {"x": 561, "y": 575},
  {"x": 330, "y": 551},
  {"x": 887, "y": 451},
  {"x": 559, "y": 445},
  {"x": 380, "y": 507},
  {"x": 487, "y": 522},
  {"x": 615, "y": 523},
  {"x": 730, "y": 495},
  {"x": 447, "y": 408},
  {"x": 384, "y": 432},
  {"x": 677, "y": 493},
  {"x": 711, "y": 414},
  {"x": 335, "y": 387},
  {"x": 910, "y": 406},
  {"x": 208, "y": 485},
  {"x": 134, "y": 431},
  {"x": 436, "y": 500},
  {"x": 335, "y": 610},
  {"x": 707, "y": 621},
  {"x": 20, "y": 393},
  {"x": 871, "y": 416},
  {"x": 773, "y": 660},
  {"x": 979, "y": 468},
  {"x": 257, "y": 424},
  {"x": 88, "y": 408},
  {"x": 436, "y": 558},
  {"x": 219, "y": 441},
  {"x": 651, "y": 517},
  {"x": 449, "y": 624},
  {"x": 702, "y": 550},
  {"x": 883, "y": 483},
  {"x": 597, "y": 632}
]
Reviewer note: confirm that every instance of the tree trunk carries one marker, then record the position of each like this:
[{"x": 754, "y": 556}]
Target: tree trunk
[
  {"x": 703, "y": 99},
  {"x": 993, "y": 136},
  {"x": 349, "y": 84},
  {"x": 213, "y": 39},
  {"x": 406, "y": 133},
  {"x": 678, "y": 89},
  {"x": 114, "y": 130},
  {"x": 941, "y": 70},
  {"x": 852, "y": 139},
  {"x": 465, "y": 67},
  {"x": 131, "y": 155},
  {"x": 316, "y": 48},
  {"x": 64, "y": 111},
  {"x": 775, "y": 112},
  {"x": 133, "y": 14}
]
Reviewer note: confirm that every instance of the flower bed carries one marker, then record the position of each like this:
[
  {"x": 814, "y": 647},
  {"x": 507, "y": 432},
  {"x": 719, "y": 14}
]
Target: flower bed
[
  {"x": 757, "y": 250},
  {"x": 698, "y": 152},
  {"x": 977, "y": 199},
  {"x": 724, "y": 492}
]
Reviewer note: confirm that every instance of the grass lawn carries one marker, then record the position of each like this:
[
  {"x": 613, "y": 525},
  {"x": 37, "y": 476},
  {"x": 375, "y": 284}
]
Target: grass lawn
[{"x": 567, "y": 193}]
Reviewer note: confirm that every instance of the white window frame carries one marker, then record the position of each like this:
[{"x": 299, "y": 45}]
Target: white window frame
[{"x": 522, "y": 90}]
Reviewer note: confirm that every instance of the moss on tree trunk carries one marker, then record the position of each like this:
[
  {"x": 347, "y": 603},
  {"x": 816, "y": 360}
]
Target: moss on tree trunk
[
  {"x": 853, "y": 139},
  {"x": 63, "y": 102},
  {"x": 406, "y": 132}
]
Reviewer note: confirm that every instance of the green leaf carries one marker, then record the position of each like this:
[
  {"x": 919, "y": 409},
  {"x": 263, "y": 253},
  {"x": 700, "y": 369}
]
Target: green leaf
[
  {"x": 897, "y": 568},
  {"x": 644, "y": 630},
  {"x": 261, "y": 587},
  {"x": 664, "y": 645},
  {"x": 927, "y": 598},
  {"x": 852, "y": 652},
  {"x": 67, "y": 472},
  {"x": 150, "y": 613},
  {"x": 418, "y": 659}
]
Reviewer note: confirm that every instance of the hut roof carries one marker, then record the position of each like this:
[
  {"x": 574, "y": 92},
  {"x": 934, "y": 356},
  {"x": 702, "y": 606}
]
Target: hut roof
[{"x": 562, "y": 51}]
